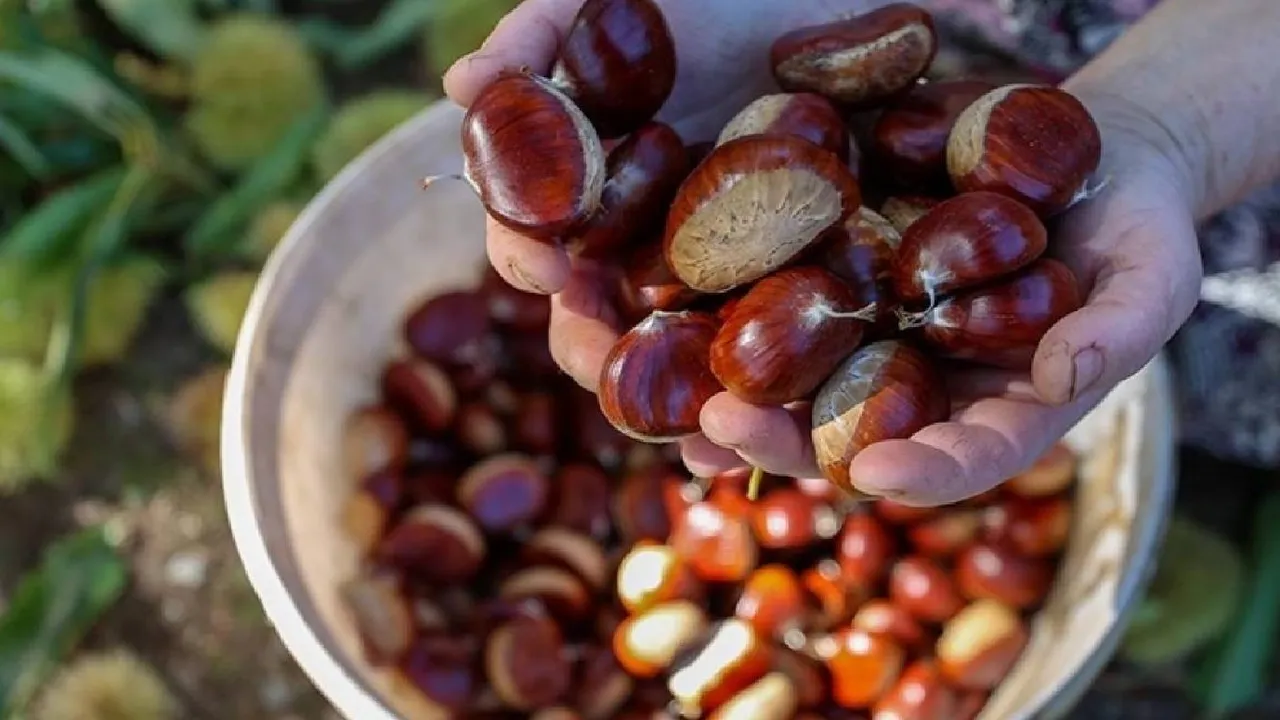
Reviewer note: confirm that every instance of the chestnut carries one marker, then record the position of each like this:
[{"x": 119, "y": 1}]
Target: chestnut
[
  {"x": 788, "y": 519},
  {"x": 422, "y": 392},
  {"x": 725, "y": 662},
  {"x": 909, "y": 138},
  {"x": 526, "y": 663},
  {"x": 1034, "y": 528},
  {"x": 863, "y": 666},
  {"x": 373, "y": 440},
  {"x": 364, "y": 520},
  {"x": 772, "y": 697},
  {"x": 1052, "y": 473},
  {"x": 903, "y": 210},
  {"x": 479, "y": 429},
  {"x": 435, "y": 542},
  {"x": 772, "y": 601},
  {"x": 865, "y": 550},
  {"x": 555, "y": 713},
  {"x": 895, "y": 513},
  {"x": 579, "y": 554},
  {"x": 1002, "y": 323},
  {"x": 860, "y": 252},
  {"x": 882, "y": 617},
  {"x": 651, "y": 574},
  {"x": 805, "y": 115},
  {"x": 835, "y": 598},
  {"x": 860, "y": 61},
  {"x": 920, "y": 694},
  {"x": 647, "y": 643},
  {"x": 996, "y": 572},
  {"x": 646, "y": 502},
  {"x": 440, "y": 671},
  {"x": 431, "y": 487},
  {"x": 967, "y": 240},
  {"x": 503, "y": 492},
  {"x": 582, "y": 494},
  {"x": 923, "y": 588},
  {"x": 647, "y": 284},
  {"x": 382, "y": 615},
  {"x": 603, "y": 686},
  {"x": 617, "y": 63},
  {"x": 656, "y": 377},
  {"x": 979, "y": 646},
  {"x": 782, "y": 192},
  {"x": 786, "y": 335},
  {"x": 450, "y": 328},
  {"x": 560, "y": 592},
  {"x": 946, "y": 533},
  {"x": 806, "y": 673},
  {"x": 885, "y": 390},
  {"x": 641, "y": 177},
  {"x": 593, "y": 437},
  {"x": 715, "y": 539},
  {"x": 510, "y": 307},
  {"x": 1036, "y": 144},
  {"x": 533, "y": 428}
]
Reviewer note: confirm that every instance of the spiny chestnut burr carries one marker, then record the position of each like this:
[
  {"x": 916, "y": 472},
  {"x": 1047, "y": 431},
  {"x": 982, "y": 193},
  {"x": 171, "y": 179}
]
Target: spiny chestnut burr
[
  {"x": 991, "y": 571},
  {"x": 980, "y": 645},
  {"x": 503, "y": 492},
  {"x": 1034, "y": 143},
  {"x": 903, "y": 210},
  {"x": 617, "y": 63},
  {"x": 641, "y": 177},
  {"x": 656, "y": 378},
  {"x": 920, "y": 694},
  {"x": 647, "y": 644},
  {"x": 772, "y": 697},
  {"x": 1001, "y": 324},
  {"x": 805, "y": 115},
  {"x": 970, "y": 239},
  {"x": 863, "y": 666},
  {"x": 1051, "y": 474},
  {"x": 725, "y": 662},
  {"x": 652, "y": 574},
  {"x": 860, "y": 61},
  {"x": 786, "y": 335},
  {"x": 532, "y": 156},
  {"x": 647, "y": 284},
  {"x": 373, "y": 440},
  {"x": 923, "y": 588},
  {"x": 436, "y": 543},
  {"x": 860, "y": 251},
  {"x": 526, "y": 663},
  {"x": 909, "y": 139},
  {"x": 885, "y": 390},
  {"x": 782, "y": 193}
]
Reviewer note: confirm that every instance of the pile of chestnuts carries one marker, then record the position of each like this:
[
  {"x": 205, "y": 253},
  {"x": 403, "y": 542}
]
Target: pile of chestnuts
[
  {"x": 756, "y": 263},
  {"x": 523, "y": 558}
]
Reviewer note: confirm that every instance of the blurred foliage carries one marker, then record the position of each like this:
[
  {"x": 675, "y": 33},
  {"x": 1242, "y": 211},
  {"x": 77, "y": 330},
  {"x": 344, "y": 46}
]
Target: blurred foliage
[
  {"x": 461, "y": 27},
  {"x": 360, "y": 123},
  {"x": 217, "y": 306},
  {"x": 30, "y": 450},
  {"x": 114, "y": 685},
  {"x": 268, "y": 228}
]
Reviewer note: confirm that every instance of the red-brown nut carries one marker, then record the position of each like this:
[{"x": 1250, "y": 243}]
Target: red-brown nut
[
  {"x": 996, "y": 572},
  {"x": 834, "y": 597},
  {"x": 373, "y": 440},
  {"x": 651, "y": 574},
  {"x": 603, "y": 686},
  {"x": 510, "y": 307},
  {"x": 422, "y": 392},
  {"x": 921, "y": 587},
  {"x": 560, "y": 592},
  {"x": 382, "y": 615},
  {"x": 806, "y": 115},
  {"x": 431, "y": 487},
  {"x": 479, "y": 429},
  {"x": 920, "y": 694},
  {"x": 895, "y": 513},
  {"x": 440, "y": 671},
  {"x": 503, "y": 492},
  {"x": 944, "y": 535},
  {"x": 646, "y": 503},
  {"x": 572, "y": 551},
  {"x": 647, "y": 284},
  {"x": 970, "y": 704},
  {"x": 715, "y": 538},
  {"x": 865, "y": 550},
  {"x": 863, "y": 666},
  {"x": 773, "y": 601},
  {"x": 526, "y": 663},
  {"x": 533, "y": 429},
  {"x": 451, "y": 329},
  {"x": 909, "y": 138},
  {"x": 882, "y": 617},
  {"x": 807, "y": 674},
  {"x": 647, "y": 644},
  {"x": 435, "y": 542},
  {"x": 582, "y": 495},
  {"x": 594, "y": 437},
  {"x": 1034, "y": 528},
  {"x": 980, "y": 645},
  {"x": 772, "y": 697},
  {"x": 860, "y": 252},
  {"x": 1051, "y": 474},
  {"x": 727, "y": 661},
  {"x": 788, "y": 519}
]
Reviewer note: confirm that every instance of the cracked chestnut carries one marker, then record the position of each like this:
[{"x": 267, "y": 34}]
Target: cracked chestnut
[
  {"x": 909, "y": 139},
  {"x": 806, "y": 115}
]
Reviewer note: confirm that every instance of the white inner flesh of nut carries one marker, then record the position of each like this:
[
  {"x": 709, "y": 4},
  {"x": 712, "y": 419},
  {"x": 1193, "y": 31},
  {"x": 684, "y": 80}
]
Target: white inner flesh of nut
[
  {"x": 976, "y": 629},
  {"x": 753, "y": 227},
  {"x": 755, "y": 118},
  {"x": 657, "y": 636},
  {"x": 837, "y": 408},
  {"x": 967, "y": 143},
  {"x": 576, "y": 551},
  {"x": 593, "y": 170},
  {"x": 772, "y": 697},
  {"x": 643, "y": 573},
  {"x": 454, "y": 522},
  {"x": 850, "y": 74},
  {"x": 732, "y": 641}
]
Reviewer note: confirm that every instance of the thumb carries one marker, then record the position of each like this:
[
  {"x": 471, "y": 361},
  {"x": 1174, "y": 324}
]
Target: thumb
[{"x": 528, "y": 36}]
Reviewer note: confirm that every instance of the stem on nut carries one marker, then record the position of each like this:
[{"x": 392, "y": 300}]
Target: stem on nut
[
  {"x": 911, "y": 320},
  {"x": 866, "y": 314},
  {"x": 430, "y": 180},
  {"x": 753, "y": 483},
  {"x": 1088, "y": 191}
]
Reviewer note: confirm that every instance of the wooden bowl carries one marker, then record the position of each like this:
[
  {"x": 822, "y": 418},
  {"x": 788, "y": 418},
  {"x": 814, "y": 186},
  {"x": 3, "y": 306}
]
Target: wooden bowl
[{"x": 325, "y": 317}]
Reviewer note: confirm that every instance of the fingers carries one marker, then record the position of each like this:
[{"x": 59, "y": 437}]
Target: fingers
[
  {"x": 527, "y": 37},
  {"x": 525, "y": 263},
  {"x": 705, "y": 459},
  {"x": 772, "y": 438},
  {"x": 583, "y": 325}
]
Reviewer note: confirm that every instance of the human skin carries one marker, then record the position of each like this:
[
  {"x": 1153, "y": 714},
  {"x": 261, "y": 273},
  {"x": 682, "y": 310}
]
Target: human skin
[{"x": 1186, "y": 105}]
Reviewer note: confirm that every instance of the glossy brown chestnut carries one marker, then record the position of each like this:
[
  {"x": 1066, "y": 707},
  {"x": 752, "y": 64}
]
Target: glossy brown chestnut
[
  {"x": 510, "y": 307},
  {"x": 882, "y": 617},
  {"x": 422, "y": 392},
  {"x": 382, "y": 615},
  {"x": 647, "y": 284},
  {"x": 865, "y": 550},
  {"x": 782, "y": 192},
  {"x": 604, "y": 687},
  {"x": 860, "y": 252},
  {"x": 863, "y": 666},
  {"x": 435, "y": 542},
  {"x": 646, "y": 502},
  {"x": 582, "y": 493},
  {"x": 559, "y": 592},
  {"x": 618, "y": 63},
  {"x": 909, "y": 139},
  {"x": 450, "y": 328},
  {"x": 921, "y": 587},
  {"x": 1034, "y": 528},
  {"x": 503, "y": 492},
  {"x": 772, "y": 600},
  {"x": 714, "y": 537},
  {"x": 903, "y": 210},
  {"x": 647, "y": 644},
  {"x": 860, "y": 61},
  {"x": 532, "y": 156},
  {"x": 1001, "y": 324},
  {"x": 526, "y": 663},
  {"x": 651, "y": 574},
  {"x": 726, "y": 661},
  {"x": 805, "y": 115},
  {"x": 641, "y": 177},
  {"x": 834, "y": 597},
  {"x": 535, "y": 423},
  {"x": 920, "y": 694},
  {"x": 788, "y": 519},
  {"x": 657, "y": 377},
  {"x": 441, "y": 672},
  {"x": 373, "y": 440},
  {"x": 786, "y": 335},
  {"x": 885, "y": 390},
  {"x": 946, "y": 533},
  {"x": 1036, "y": 144},
  {"x": 772, "y": 697},
  {"x": 995, "y": 572},
  {"x": 572, "y": 551},
  {"x": 979, "y": 646},
  {"x": 968, "y": 240},
  {"x": 970, "y": 704},
  {"x": 479, "y": 429},
  {"x": 1051, "y": 474}
]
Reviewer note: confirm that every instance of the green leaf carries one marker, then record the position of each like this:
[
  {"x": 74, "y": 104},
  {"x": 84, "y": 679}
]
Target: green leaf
[
  {"x": 22, "y": 148},
  {"x": 1234, "y": 676},
  {"x": 170, "y": 28},
  {"x": 79, "y": 579},
  {"x": 399, "y": 23},
  {"x": 460, "y": 27},
  {"x": 49, "y": 232},
  {"x": 75, "y": 84},
  {"x": 219, "y": 231}
]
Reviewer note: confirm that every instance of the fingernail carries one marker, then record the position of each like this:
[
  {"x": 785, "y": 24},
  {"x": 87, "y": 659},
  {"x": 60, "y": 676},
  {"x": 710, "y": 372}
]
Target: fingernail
[{"x": 1086, "y": 369}]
